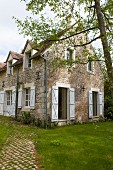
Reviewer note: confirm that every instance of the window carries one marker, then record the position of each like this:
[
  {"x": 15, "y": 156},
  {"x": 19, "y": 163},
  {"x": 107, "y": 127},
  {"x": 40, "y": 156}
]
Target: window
[
  {"x": 9, "y": 67},
  {"x": 27, "y": 60},
  {"x": 9, "y": 98},
  {"x": 95, "y": 104},
  {"x": 90, "y": 66},
  {"x": 69, "y": 53},
  {"x": 27, "y": 97}
]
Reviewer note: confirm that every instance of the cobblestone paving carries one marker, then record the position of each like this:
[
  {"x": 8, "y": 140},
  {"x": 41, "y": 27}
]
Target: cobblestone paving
[{"x": 18, "y": 154}]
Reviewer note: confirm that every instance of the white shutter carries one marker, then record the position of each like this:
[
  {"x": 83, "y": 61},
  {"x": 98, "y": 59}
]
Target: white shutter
[
  {"x": 54, "y": 116},
  {"x": 32, "y": 97},
  {"x": 90, "y": 104},
  {"x": 72, "y": 103},
  {"x": 100, "y": 103},
  {"x": 13, "y": 102},
  {"x": 20, "y": 98},
  {"x": 1, "y": 102}
]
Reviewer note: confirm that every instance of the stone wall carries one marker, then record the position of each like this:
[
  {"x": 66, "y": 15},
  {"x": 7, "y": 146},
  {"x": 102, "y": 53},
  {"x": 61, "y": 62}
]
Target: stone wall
[{"x": 77, "y": 78}]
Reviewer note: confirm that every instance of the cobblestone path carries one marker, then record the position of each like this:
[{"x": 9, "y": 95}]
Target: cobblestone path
[{"x": 18, "y": 154}]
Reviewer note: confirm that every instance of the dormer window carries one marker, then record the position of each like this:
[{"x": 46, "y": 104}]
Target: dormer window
[
  {"x": 9, "y": 67},
  {"x": 27, "y": 60},
  {"x": 69, "y": 53},
  {"x": 90, "y": 66}
]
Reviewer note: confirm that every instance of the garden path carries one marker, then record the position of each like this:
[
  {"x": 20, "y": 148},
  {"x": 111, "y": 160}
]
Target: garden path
[{"x": 18, "y": 154}]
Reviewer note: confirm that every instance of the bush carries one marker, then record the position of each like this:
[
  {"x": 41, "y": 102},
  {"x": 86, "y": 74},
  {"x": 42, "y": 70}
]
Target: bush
[
  {"x": 108, "y": 108},
  {"x": 26, "y": 117}
]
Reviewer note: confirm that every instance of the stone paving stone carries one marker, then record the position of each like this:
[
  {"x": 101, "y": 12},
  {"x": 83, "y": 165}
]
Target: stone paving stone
[{"x": 19, "y": 154}]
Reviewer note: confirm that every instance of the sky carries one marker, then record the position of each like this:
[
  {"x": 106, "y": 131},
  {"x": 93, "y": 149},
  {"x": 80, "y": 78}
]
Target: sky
[{"x": 10, "y": 39}]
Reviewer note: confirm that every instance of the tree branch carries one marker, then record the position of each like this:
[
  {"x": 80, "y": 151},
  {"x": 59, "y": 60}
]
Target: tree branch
[
  {"x": 92, "y": 6},
  {"x": 81, "y": 45},
  {"x": 107, "y": 19},
  {"x": 74, "y": 34}
]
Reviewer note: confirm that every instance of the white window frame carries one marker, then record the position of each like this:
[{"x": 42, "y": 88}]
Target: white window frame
[
  {"x": 92, "y": 67},
  {"x": 27, "y": 60},
  {"x": 9, "y": 67},
  {"x": 99, "y": 103},
  {"x": 69, "y": 54},
  {"x": 31, "y": 97},
  {"x": 9, "y": 98},
  {"x": 27, "y": 100},
  {"x": 72, "y": 51}
]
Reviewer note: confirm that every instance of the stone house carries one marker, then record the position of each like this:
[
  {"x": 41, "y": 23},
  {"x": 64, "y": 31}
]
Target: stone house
[{"x": 28, "y": 82}]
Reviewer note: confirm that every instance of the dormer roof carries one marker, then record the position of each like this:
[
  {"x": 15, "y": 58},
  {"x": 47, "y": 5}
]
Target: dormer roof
[
  {"x": 32, "y": 45},
  {"x": 14, "y": 55},
  {"x": 2, "y": 66}
]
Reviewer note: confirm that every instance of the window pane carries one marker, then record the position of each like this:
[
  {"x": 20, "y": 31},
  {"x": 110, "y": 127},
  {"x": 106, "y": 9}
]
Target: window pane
[
  {"x": 69, "y": 54},
  {"x": 9, "y": 98},
  {"x": 27, "y": 97},
  {"x": 90, "y": 66}
]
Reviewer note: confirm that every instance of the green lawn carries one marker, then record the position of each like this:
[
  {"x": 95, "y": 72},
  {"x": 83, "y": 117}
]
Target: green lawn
[{"x": 77, "y": 147}]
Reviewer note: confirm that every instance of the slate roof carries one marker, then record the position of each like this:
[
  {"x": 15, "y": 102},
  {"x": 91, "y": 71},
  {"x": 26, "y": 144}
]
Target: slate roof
[{"x": 15, "y": 55}]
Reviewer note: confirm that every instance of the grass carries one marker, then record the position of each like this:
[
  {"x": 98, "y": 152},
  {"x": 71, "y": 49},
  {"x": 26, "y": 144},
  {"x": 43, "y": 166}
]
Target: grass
[{"x": 77, "y": 147}]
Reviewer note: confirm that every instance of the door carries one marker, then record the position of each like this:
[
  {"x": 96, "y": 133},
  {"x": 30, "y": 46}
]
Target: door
[
  {"x": 9, "y": 102},
  {"x": 95, "y": 103},
  {"x": 1, "y": 102},
  {"x": 62, "y": 103}
]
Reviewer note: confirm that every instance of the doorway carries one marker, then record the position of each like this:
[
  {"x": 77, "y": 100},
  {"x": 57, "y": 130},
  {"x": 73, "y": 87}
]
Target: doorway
[
  {"x": 62, "y": 104},
  {"x": 95, "y": 95}
]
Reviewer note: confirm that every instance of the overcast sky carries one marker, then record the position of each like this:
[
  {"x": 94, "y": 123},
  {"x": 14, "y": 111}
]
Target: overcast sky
[{"x": 10, "y": 39}]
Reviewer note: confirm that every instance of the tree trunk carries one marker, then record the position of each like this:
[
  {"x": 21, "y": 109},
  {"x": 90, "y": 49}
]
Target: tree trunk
[{"x": 104, "y": 40}]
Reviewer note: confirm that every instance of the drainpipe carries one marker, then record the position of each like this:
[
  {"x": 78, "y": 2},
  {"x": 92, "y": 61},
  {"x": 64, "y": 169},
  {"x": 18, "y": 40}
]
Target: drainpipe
[
  {"x": 17, "y": 84},
  {"x": 45, "y": 77}
]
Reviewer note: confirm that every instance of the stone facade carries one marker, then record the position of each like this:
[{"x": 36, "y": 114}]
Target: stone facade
[{"x": 71, "y": 86}]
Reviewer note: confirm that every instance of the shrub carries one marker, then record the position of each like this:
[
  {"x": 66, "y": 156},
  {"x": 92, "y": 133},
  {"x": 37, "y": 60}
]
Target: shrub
[
  {"x": 108, "y": 107},
  {"x": 26, "y": 117}
]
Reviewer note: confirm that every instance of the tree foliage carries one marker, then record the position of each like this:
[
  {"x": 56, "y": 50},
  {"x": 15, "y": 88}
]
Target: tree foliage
[{"x": 92, "y": 17}]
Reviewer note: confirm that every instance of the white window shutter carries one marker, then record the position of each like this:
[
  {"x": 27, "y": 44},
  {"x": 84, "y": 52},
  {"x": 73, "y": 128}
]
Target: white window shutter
[
  {"x": 1, "y": 102},
  {"x": 20, "y": 98},
  {"x": 54, "y": 116},
  {"x": 72, "y": 103},
  {"x": 32, "y": 97},
  {"x": 13, "y": 102},
  {"x": 90, "y": 104},
  {"x": 100, "y": 103}
]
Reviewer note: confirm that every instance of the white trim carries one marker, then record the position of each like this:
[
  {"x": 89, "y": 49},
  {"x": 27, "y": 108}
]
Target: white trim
[
  {"x": 95, "y": 89},
  {"x": 10, "y": 57},
  {"x": 92, "y": 65},
  {"x": 28, "y": 48},
  {"x": 27, "y": 85},
  {"x": 63, "y": 85},
  {"x": 10, "y": 88}
]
